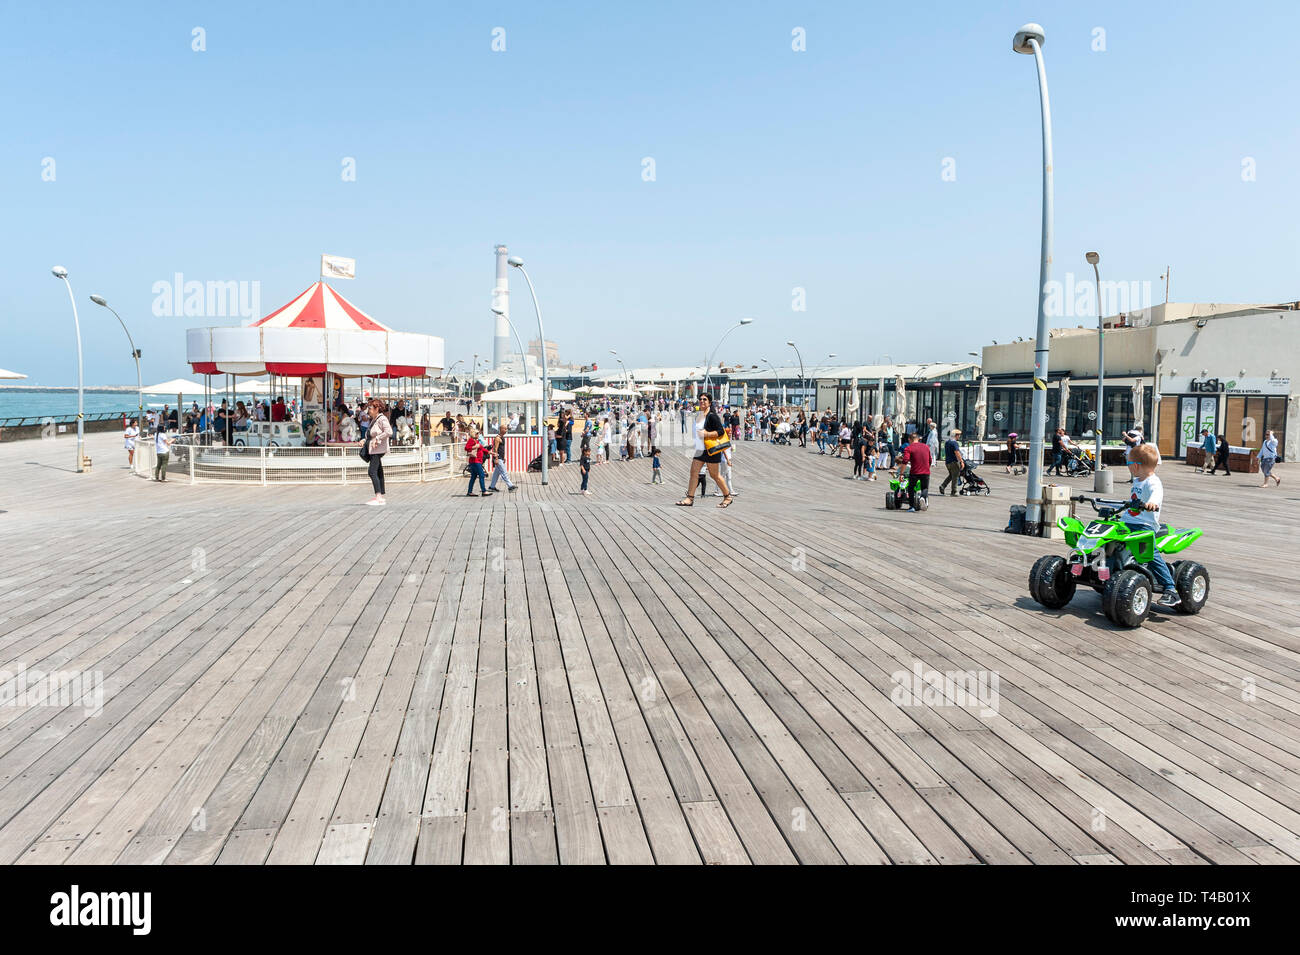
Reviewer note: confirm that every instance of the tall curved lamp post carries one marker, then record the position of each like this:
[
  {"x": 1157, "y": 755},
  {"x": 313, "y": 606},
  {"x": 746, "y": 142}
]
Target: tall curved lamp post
[
  {"x": 1029, "y": 40},
  {"x": 743, "y": 321},
  {"x": 59, "y": 272},
  {"x": 518, "y": 263},
  {"x": 135, "y": 353},
  {"x": 803, "y": 382},
  {"x": 627, "y": 375},
  {"x": 523, "y": 356}
]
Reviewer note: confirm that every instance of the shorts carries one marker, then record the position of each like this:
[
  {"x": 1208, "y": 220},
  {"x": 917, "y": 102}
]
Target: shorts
[{"x": 708, "y": 458}]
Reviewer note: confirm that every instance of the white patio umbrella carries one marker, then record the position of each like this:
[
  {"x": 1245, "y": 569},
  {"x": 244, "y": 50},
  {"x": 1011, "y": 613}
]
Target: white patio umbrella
[
  {"x": 900, "y": 401},
  {"x": 177, "y": 386},
  {"x": 853, "y": 395},
  {"x": 1138, "y": 395},
  {"x": 982, "y": 408},
  {"x": 1064, "y": 402},
  {"x": 5, "y": 373}
]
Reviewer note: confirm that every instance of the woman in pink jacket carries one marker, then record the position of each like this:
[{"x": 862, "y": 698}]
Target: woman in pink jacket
[{"x": 377, "y": 446}]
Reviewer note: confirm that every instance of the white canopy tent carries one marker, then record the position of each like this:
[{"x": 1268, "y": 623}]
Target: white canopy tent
[
  {"x": 529, "y": 392},
  {"x": 177, "y": 386}
]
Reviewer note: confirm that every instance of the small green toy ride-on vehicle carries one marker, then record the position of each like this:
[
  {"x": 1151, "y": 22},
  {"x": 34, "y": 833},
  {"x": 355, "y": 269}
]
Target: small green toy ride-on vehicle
[
  {"x": 905, "y": 491},
  {"x": 1114, "y": 560}
]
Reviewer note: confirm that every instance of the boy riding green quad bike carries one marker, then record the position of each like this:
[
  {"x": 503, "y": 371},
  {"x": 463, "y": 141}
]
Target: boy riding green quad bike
[{"x": 1116, "y": 559}]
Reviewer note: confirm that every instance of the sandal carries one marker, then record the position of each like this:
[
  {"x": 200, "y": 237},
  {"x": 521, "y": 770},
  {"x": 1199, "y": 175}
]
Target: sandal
[
  {"x": 725, "y": 502},
  {"x": 686, "y": 502}
]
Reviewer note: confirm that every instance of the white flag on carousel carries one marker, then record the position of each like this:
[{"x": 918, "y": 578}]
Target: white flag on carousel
[{"x": 337, "y": 267}]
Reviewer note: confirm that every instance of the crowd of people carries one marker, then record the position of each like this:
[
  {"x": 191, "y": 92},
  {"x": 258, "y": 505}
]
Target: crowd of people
[{"x": 606, "y": 431}]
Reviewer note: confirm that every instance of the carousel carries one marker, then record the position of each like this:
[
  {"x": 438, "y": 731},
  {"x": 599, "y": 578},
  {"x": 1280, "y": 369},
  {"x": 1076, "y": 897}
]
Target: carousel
[{"x": 310, "y": 348}]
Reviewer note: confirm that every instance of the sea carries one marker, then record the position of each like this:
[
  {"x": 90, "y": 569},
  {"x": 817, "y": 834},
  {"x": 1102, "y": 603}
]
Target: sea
[{"x": 29, "y": 402}]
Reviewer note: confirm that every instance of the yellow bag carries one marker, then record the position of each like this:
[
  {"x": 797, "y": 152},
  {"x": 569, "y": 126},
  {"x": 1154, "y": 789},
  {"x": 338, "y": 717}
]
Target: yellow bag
[{"x": 717, "y": 445}]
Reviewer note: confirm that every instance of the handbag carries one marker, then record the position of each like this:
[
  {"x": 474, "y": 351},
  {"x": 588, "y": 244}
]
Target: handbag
[
  {"x": 717, "y": 445},
  {"x": 365, "y": 449}
]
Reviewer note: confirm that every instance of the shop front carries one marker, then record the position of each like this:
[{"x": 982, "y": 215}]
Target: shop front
[{"x": 1242, "y": 409}]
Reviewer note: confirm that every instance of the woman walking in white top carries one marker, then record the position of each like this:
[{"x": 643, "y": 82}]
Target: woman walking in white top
[{"x": 1268, "y": 458}]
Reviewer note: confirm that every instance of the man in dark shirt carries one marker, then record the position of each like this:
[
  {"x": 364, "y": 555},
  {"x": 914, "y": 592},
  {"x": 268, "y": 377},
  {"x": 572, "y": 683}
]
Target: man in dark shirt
[
  {"x": 1058, "y": 450},
  {"x": 953, "y": 460}
]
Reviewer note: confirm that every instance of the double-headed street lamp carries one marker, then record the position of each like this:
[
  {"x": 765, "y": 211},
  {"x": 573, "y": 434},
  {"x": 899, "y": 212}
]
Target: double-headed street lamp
[
  {"x": 518, "y": 263},
  {"x": 1029, "y": 40},
  {"x": 135, "y": 353},
  {"x": 743, "y": 321},
  {"x": 59, "y": 272}
]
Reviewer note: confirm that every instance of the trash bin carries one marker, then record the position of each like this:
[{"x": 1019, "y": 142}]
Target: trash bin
[{"x": 1103, "y": 481}]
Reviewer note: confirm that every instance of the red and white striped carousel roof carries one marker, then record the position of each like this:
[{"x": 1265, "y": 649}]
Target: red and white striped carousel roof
[{"x": 321, "y": 307}]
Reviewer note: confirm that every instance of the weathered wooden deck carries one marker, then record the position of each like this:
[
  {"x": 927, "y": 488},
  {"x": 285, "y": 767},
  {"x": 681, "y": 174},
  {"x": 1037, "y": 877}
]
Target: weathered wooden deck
[{"x": 293, "y": 677}]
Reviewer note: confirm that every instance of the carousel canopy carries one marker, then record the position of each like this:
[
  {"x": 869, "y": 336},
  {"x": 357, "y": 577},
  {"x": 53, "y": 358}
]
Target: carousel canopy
[{"x": 318, "y": 332}]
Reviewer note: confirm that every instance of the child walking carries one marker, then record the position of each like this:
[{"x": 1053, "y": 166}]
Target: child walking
[
  {"x": 584, "y": 465},
  {"x": 655, "y": 476}
]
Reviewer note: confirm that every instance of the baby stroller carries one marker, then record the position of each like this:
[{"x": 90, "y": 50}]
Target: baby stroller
[
  {"x": 782, "y": 434},
  {"x": 972, "y": 483},
  {"x": 1078, "y": 462}
]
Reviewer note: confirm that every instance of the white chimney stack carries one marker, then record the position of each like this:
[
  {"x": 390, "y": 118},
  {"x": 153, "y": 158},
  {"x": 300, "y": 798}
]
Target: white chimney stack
[{"x": 501, "y": 300}]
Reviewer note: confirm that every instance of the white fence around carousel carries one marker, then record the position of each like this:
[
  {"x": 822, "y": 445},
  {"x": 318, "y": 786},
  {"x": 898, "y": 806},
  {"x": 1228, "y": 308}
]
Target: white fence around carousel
[{"x": 198, "y": 462}]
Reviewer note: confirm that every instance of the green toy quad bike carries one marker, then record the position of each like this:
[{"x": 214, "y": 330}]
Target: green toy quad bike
[
  {"x": 1115, "y": 560},
  {"x": 905, "y": 491}
]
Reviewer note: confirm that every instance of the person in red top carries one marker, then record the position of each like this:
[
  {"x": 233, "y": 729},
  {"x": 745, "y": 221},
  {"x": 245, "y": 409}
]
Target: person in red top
[
  {"x": 474, "y": 453},
  {"x": 916, "y": 457}
]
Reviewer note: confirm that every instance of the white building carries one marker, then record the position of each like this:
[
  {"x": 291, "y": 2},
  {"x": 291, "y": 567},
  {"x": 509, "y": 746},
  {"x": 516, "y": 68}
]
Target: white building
[{"x": 1227, "y": 367}]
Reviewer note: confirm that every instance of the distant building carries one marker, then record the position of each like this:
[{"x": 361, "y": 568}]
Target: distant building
[{"x": 552, "y": 351}]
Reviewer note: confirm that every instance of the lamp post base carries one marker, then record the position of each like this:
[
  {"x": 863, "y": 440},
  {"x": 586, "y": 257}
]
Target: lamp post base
[{"x": 1103, "y": 481}]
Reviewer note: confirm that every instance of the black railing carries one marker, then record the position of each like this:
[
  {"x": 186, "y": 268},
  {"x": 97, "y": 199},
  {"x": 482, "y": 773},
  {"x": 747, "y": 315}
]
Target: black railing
[{"x": 71, "y": 419}]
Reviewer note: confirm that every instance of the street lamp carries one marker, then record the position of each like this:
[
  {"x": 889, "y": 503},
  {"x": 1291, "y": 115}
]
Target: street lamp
[
  {"x": 1029, "y": 40},
  {"x": 518, "y": 263},
  {"x": 1098, "y": 483},
  {"x": 820, "y": 365},
  {"x": 627, "y": 375},
  {"x": 523, "y": 358},
  {"x": 59, "y": 272},
  {"x": 803, "y": 382},
  {"x": 135, "y": 353},
  {"x": 743, "y": 321}
]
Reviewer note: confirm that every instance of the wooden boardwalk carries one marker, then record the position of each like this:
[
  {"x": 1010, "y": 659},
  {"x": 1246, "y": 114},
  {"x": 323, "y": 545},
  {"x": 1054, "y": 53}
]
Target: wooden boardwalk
[{"x": 291, "y": 677}]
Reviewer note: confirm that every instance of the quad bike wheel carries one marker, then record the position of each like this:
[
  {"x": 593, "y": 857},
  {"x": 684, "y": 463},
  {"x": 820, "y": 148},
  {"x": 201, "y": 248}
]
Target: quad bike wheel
[
  {"x": 920, "y": 502},
  {"x": 1050, "y": 583},
  {"x": 1193, "y": 584},
  {"x": 890, "y": 503},
  {"x": 1130, "y": 599}
]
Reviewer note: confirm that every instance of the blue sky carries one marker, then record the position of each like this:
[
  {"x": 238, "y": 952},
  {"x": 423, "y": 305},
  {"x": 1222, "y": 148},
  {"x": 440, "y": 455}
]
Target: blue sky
[{"x": 775, "y": 169}]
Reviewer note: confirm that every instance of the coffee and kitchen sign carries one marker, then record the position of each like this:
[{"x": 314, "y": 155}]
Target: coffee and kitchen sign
[{"x": 1228, "y": 386}]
